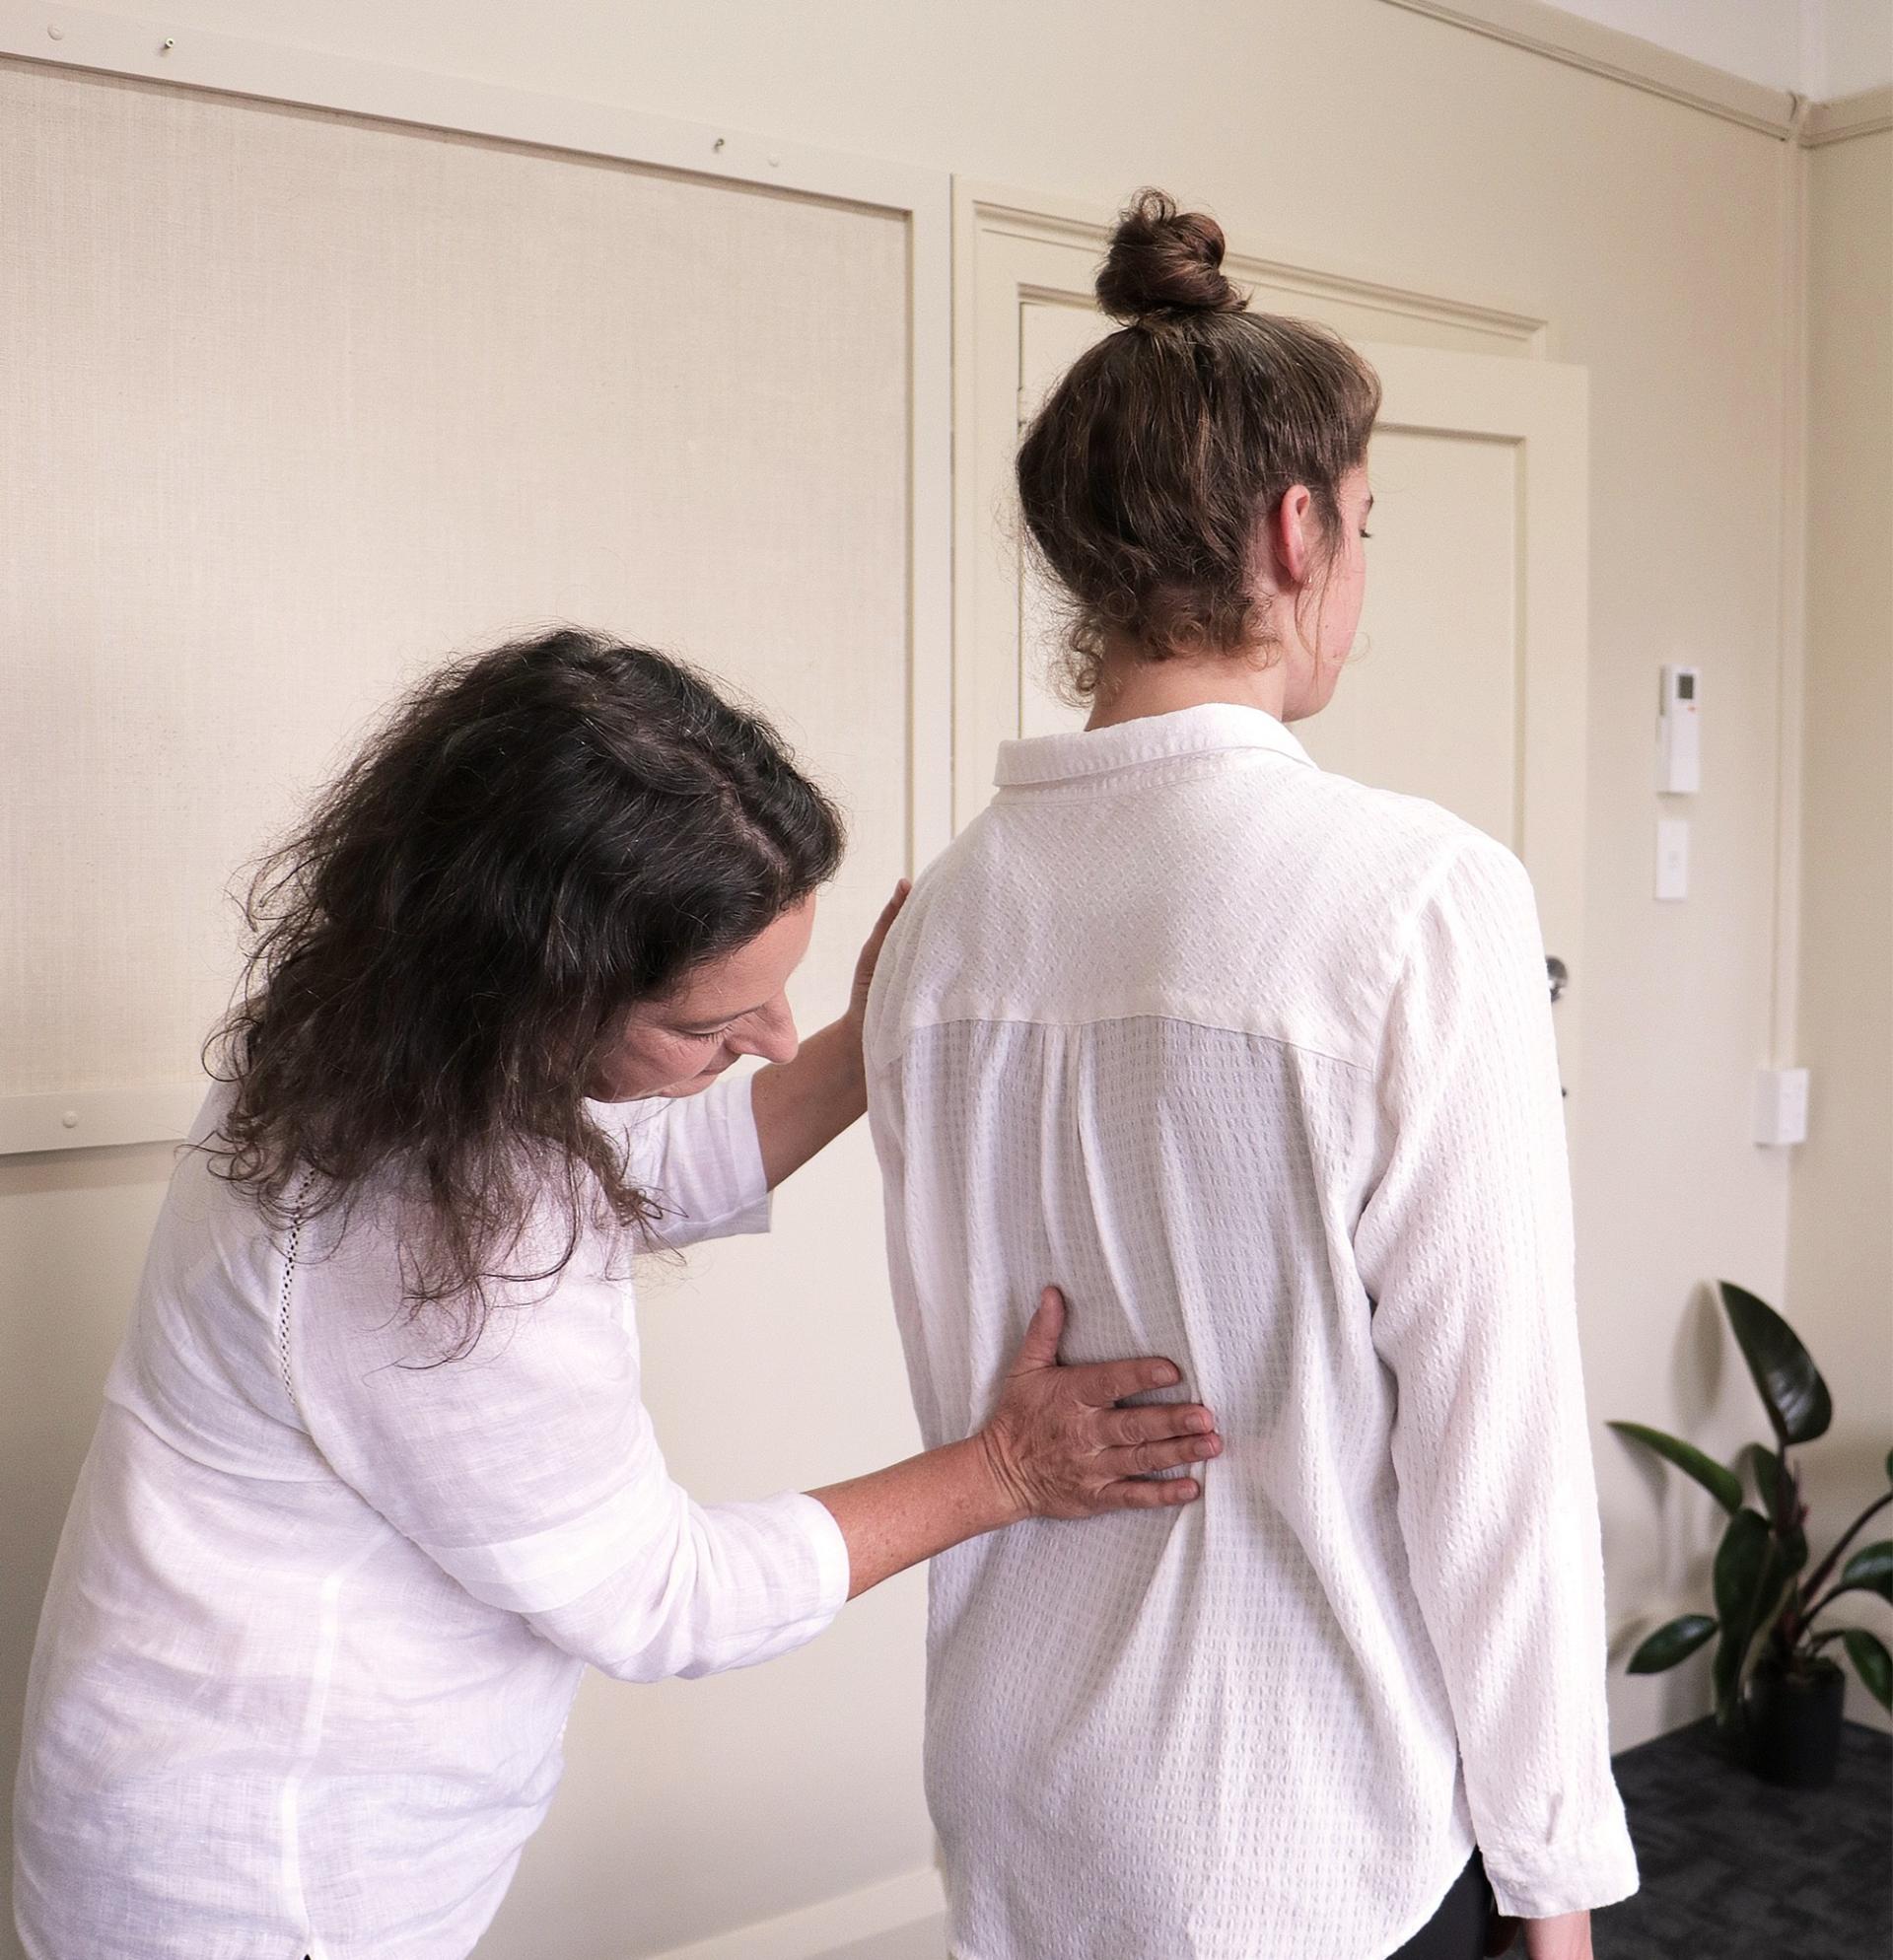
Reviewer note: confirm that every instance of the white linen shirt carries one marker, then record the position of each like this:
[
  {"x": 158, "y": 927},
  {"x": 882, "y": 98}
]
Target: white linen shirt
[
  {"x": 1256, "y": 1063},
  {"x": 319, "y": 1612}
]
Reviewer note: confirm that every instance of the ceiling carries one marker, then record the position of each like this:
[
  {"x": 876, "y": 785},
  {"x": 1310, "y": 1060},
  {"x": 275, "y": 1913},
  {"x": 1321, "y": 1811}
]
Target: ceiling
[{"x": 1819, "y": 49}]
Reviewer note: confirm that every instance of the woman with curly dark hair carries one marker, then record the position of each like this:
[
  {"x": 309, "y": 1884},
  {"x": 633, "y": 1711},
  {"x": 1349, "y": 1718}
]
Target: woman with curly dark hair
[{"x": 373, "y": 1480}]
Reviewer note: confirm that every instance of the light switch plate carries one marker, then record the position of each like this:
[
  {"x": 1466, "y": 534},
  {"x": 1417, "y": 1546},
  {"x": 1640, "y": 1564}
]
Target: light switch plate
[
  {"x": 1672, "y": 857},
  {"x": 1780, "y": 1106}
]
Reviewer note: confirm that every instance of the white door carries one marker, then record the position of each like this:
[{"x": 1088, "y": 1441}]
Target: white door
[{"x": 1467, "y": 680}]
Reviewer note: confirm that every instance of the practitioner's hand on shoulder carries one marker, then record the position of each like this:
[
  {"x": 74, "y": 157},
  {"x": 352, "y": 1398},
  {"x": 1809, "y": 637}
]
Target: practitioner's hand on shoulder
[
  {"x": 1059, "y": 1445},
  {"x": 870, "y": 956}
]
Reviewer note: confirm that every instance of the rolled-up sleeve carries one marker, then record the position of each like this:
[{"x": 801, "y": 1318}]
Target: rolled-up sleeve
[
  {"x": 530, "y": 1472},
  {"x": 698, "y": 1157},
  {"x": 1465, "y": 1247}
]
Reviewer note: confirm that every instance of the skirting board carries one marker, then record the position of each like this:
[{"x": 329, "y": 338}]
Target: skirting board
[{"x": 898, "y": 1918}]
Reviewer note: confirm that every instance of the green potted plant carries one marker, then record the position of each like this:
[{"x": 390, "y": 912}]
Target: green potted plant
[{"x": 1777, "y": 1694}]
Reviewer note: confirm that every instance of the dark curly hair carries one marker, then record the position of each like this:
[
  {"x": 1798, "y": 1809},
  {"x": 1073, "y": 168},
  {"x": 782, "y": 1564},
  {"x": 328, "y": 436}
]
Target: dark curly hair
[
  {"x": 536, "y": 837},
  {"x": 1142, "y": 477}
]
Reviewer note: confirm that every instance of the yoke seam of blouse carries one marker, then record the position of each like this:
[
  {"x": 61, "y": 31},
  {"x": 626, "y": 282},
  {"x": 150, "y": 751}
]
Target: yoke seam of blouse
[{"x": 1141, "y": 1014}]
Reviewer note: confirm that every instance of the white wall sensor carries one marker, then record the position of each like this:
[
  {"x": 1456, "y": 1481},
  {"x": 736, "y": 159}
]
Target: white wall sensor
[{"x": 1679, "y": 722}]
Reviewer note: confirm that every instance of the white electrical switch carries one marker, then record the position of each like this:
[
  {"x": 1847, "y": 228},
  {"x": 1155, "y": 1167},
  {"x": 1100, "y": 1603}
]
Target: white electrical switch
[
  {"x": 1672, "y": 857},
  {"x": 1679, "y": 721},
  {"x": 1780, "y": 1106}
]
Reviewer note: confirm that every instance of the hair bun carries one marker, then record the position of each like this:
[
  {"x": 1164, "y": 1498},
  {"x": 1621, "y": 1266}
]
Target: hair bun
[{"x": 1164, "y": 261}]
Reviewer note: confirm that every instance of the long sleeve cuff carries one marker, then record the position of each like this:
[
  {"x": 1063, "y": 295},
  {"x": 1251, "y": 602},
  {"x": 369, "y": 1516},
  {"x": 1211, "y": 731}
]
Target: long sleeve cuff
[
  {"x": 1571, "y": 1875},
  {"x": 835, "y": 1570}
]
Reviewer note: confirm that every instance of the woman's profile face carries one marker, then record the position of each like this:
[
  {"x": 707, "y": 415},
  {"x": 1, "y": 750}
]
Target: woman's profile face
[
  {"x": 1329, "y": 613},
  {"x": 679, "y": 1042}
]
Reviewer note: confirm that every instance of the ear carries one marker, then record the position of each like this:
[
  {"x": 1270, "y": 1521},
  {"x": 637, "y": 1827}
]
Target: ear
[{"x": 1291, "y": 538}]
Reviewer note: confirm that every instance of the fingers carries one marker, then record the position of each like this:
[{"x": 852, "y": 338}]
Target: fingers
[
  {"x": 1102, "y": 1383},
  {"x": 871, "y": 951},
  {"x": 1039, "y": 1348},
  {"x": 1134, "y": 1494},
  {"x": 1156, "y": 1422},
  {"x": 1143, "y": 1459}
]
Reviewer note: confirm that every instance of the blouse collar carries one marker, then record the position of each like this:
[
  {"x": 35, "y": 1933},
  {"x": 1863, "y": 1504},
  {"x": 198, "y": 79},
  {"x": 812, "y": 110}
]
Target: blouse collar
[{"x": 1203, "y": 729}]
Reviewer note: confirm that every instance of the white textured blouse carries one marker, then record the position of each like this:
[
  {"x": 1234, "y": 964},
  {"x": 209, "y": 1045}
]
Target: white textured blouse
[
  {"x": 319, "y": 1612},
  {"x": 1256, "y": 1063}
]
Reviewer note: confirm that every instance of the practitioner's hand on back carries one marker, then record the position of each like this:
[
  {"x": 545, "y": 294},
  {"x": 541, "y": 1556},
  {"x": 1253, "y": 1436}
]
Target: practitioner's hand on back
[{"x": 1060, "y": 1447}]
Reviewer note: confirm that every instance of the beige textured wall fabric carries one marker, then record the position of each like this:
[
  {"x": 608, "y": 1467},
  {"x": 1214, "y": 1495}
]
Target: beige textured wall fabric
[{"x": 298, "y": 403}]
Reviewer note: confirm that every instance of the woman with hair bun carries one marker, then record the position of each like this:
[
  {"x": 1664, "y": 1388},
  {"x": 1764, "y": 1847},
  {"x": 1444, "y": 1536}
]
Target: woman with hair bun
[
  {"x": 373, "y": 1480},
  {"x": 1257, "y": 1061}
]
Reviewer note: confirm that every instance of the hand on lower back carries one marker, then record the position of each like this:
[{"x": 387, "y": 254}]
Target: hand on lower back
[{"x": 1061, "y": 1447}]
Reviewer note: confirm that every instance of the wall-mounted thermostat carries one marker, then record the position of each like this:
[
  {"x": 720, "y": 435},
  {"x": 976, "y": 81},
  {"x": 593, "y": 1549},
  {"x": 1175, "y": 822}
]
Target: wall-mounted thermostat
[{"x": 1679, "y": 722}]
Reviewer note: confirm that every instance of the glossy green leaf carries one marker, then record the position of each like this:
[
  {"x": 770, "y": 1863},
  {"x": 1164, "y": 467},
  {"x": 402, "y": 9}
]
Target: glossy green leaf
[
  {"x": 1764, "y": 1467},
  {"x": 1672, "y": 1643},
  {"x": 1778, "y": 1498},
  {"x": 1722, "y": 1485},
  {"x": 1745, "y": 1571},
  {"x": 1784, "y": 1375},
  {"x": 1869, "y": 1570},
  {"x": 1872, "y": 1663},
  {"x": 1740, "y": 1559}
]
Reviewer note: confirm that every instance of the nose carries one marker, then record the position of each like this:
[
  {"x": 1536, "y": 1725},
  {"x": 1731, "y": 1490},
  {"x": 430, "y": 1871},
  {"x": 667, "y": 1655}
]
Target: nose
[{"x": 772, "y": 1034}]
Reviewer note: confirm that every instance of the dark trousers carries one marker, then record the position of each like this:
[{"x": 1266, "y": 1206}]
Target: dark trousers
[{"x": 1458, "y": 1930}]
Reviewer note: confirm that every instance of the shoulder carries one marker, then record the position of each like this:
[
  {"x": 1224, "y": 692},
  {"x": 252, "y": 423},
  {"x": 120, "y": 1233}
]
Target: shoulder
[
  {"x": 1359, "y": 860},
  {"x": 1395, "y": 842}
]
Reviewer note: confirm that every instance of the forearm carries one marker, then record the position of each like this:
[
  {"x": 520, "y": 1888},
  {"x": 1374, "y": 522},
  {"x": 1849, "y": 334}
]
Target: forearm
[
  {"x": 803, "y": 1105},
  {"x": 1518, "y": 1627},
  {"x": 896, "y": 1517}
]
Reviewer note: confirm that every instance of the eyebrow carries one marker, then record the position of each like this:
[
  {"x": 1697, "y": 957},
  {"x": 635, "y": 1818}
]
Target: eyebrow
[{"x": 1369, "y": 504}]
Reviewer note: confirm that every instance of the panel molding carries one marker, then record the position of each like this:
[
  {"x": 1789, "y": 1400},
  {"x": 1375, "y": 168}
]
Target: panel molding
[
  {"x": 997, "y": 210},
  {"x": 88, "y": 41},
  {"x": 93, "y": 1119}
]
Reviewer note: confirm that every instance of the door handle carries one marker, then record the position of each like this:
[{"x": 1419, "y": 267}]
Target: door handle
[{"x": 1559, "y": 975}]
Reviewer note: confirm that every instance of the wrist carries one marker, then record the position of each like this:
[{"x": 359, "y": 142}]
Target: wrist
[
  {"x": 851, "y": 1079},
  {"x": 999, "y": 1495}
]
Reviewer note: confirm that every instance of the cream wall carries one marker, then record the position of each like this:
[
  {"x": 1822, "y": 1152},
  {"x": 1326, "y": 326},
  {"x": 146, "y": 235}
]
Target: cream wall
[
  {"x": 1346, "y": 132},
  {"x": 1840, "y": 1222}
]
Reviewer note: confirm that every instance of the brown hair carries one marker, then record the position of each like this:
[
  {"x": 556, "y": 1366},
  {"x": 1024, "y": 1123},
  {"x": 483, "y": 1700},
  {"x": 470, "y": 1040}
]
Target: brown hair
[
  {"x": 538, "y": 836},
  {"x": 1142, "y": 477}
]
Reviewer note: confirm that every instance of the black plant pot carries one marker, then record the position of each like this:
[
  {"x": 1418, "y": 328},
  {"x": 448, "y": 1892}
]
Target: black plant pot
[{"x": 1793, "y": 1724}]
